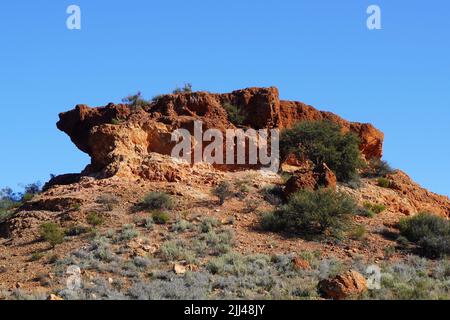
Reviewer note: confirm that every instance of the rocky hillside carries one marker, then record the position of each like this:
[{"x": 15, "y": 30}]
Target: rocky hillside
[{"x": 107, "y": 229}]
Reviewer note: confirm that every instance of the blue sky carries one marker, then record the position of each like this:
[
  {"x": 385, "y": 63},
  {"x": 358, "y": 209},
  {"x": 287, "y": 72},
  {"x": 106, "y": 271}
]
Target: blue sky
[{"x": 319, "y": 52}]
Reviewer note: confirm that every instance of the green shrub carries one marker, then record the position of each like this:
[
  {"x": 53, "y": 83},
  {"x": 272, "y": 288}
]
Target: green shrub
[
  {"x": 375, "y": 208},
  {"x": 76, "y": 230},
  {"x": 115, "y": 121},
  {"x": 235, "y": 114},
  {"x": 148, "y": 223},
  {"x": 273, "y": 194},
  {"x": 187, "y": 88},
  {"x": 175, "y": 251},
  {"x": 313, "y": 212},
  {"x": 358, "y": 233},
  {"x": 160, "y": 217},
  {"x": 219, "y": 243},
  {"x": 378, "y": 168},
  {"x": 36, "y": 256},
  {"x": 181, "y": 226},
  {"x": 94, "y": 219},
  {"x": 127, "y": 233},
  {"x": 365, "y": 212},
  {"x": 108, "y": 200},
  {"x": 323, "y": 142},
  {"x": 272, "y": 222},
  {"x": 384, "y": 183},
  {"x": 135, "y": 101},
  {"x": 157, "y": 201},
  {"x": 223, "y": 191},
  {"x": 52, "y": 233},
  {"x": 430, "y": 232},
  {"x": 208, "y": 224}
]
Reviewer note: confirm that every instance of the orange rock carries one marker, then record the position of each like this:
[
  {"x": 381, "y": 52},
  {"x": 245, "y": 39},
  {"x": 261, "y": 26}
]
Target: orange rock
[
  {"x": 301, "y": 264},
  {"x": 350, "y": 283},
  {"x": 120, "y": 147}
]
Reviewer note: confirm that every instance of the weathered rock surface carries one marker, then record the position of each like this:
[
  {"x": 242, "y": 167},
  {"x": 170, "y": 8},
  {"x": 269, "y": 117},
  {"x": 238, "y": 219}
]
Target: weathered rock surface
[
  {"x": 348, "y": 284},
  {"x": 311, "y": 179},
  {"x": 118, "y": 139}
]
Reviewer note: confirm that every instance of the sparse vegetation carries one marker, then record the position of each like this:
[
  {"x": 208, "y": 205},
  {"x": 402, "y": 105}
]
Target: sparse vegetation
[
  {"x": 115, "y": 121},
  {"x": 76, "y": 230},
  {"x": 384, "y": 183},
  {"x": 223, "y": 191},
  {"x": 181, "y": 226},
  {"x": 273, "y": 194},
  {"x": 127, "y": 233},
  {"x": 187, "y": 88},
  {"x": 323, "y": 212},
  {"x": 358, "y": 232},
  {"x": 135, "y": 101},
  {"x": 109, "y": 201},
  {"x": 160, "y": 217},
  {"x": 208, "y": 224},
  {"x": 235, "y": 114},
  {"x": 157, "y": 201},
  {"x": 323, "y": 142},
  {"x": 378, "y": 168},
  {"x": 51, "y": 233},
  {"x": 430, "y": 232},
  {"x": 175, "y": 251},
  {"x": 375, "y": 208},
  {"x": 94, "y": 219}
]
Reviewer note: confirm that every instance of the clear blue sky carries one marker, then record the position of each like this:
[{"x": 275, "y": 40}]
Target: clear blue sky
[{"x": 319, "y": 52}]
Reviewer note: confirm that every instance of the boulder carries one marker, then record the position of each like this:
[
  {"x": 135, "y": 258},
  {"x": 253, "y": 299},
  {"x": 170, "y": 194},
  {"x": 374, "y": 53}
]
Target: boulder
[{"x": 343, "y": 286}]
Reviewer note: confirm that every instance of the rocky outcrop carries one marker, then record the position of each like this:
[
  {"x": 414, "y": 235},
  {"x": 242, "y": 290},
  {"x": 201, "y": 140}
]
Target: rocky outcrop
[{"x": 115, "y": 136}]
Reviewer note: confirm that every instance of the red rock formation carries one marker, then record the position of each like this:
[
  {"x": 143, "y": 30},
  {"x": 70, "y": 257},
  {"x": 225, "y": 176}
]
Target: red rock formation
[{"x": 115, "y": 136}]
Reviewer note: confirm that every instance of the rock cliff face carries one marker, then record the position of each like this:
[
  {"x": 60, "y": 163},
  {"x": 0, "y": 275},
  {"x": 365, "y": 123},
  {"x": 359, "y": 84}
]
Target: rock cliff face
[{"x": 118, "y": 140}]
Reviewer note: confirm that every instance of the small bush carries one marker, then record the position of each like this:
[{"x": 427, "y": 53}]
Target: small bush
[
  {"x": 223, "y": 192},
  {"x": 314, "y": 212},
  {"x": 175, "y": 251},
  {"x": 36, "y": 256},
  {"x": 235, "y": 114},
  {"x": 378, "y": 168},
  {"x": 273, "y": 195},
  {"x": 323, "y": 142},
  {"x": 187, "y": 88},
  {"x": 160, "y": 217},
  {"x": 135, "y": 101},
  {"x": 384, "y": 183},
  {"x": 76, "y": 230},
  {"x": 52, "y": 233},
  {"x": 148, "y": 223},
  {"x": 365, "y": 212},
  {"x": 108, "y": 200},
  {"x": 157, "y": 201},
  {"x": 128, "y": 233},
  {"x": 208, "y": 224},
  {"x": 375, "y": 208},
  {"x": 115, "y": 121},
  {"x": 358, "y": 233},
  {"x": 219, "y": 243},
  {"x": 430, "y": 232},
  {"x": 181, "y": 226},
  {"x": 272, "y": 222},
  {"x": 94, "y": 219}
]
